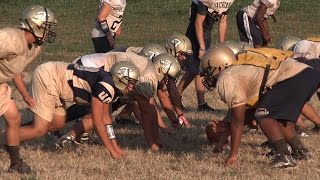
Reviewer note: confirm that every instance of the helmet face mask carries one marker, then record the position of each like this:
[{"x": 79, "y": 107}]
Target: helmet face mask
[
  {"x": 123, "y": 74},
  {"x": 179, "y": 43},
  {"x": 39, "y": 20},
  {"x": 213, "y": 62}
]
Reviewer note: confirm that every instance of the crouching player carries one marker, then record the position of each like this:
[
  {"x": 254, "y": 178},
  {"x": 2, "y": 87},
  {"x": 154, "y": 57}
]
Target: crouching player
[
  {"x": 268, "y": 86},
  {"x": 55, "y": 84}
]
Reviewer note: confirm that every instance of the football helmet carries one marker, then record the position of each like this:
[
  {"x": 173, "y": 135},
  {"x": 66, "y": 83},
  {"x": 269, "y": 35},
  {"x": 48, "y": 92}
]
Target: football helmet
[
  {"x": 234, "y": 46},
  {"x": 38, "y": 20},
  {"x": 166, "y": 65},
  {"x": 288, "y": 43},
  {"x": 179, "y": 43},
  {"x": 214, "y": 61},
  {"x": 123, "y": 73},
  {"x": 152, "y": 50}
]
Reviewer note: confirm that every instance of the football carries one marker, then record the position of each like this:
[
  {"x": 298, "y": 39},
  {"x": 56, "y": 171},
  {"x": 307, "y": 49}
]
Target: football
[{"x": 216, "y": 130}]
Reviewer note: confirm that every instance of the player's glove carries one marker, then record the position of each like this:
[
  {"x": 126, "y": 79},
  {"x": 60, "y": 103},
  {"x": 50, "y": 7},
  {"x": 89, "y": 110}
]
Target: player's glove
[{"x": 183, "y": 121}]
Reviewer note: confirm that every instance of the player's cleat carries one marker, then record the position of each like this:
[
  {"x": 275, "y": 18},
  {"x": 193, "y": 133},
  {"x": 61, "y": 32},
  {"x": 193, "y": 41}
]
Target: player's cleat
[
  {"x": 302, "y": 154},
  {"x": 205, "y": 107},
  {"x": 316, "y": 129},
  {"x": 126, "y": 120},
  {"x": 54, "y": 136},
  {"x": 282, "y": 161},
  {"x": 20, "y": 167},
  {"x": 302, "y": 131},
  {"x": 66, "y": 142},
  {"x": 265, "y": 144},
  {"x": 88, "y": 138}
]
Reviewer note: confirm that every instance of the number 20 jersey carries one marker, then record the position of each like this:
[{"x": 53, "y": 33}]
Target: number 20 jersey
[{"x": 114, "y": 19}]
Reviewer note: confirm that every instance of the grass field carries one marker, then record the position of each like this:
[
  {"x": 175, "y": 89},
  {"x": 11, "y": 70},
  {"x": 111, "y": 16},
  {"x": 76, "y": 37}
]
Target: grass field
[{"x": 187, "y": 154}]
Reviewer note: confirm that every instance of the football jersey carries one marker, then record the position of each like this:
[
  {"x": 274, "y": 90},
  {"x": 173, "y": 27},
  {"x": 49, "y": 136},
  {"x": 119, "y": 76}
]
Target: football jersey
[
  {"x": 114, "y": 19},
  {"x": 15, "y": 53},
  {"x": 218, "y": 6},
  {"x": 272, "y": 5},
  {"x": 148, "y": 76},
  {"x": 308, "y": 49},
  {"x": 240, "y": 84},
  {"x": 88, "y": 82}
]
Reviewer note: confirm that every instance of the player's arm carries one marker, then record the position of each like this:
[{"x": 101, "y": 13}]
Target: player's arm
[
  {"x": 102, "y": 15},
  {"x": 200, "y": 17},
  {"x": 238, "y": 117},
  {"x": 98, "y": 111},
  {"x": 18, "y": 81},
  {"x": 222, "y": 27},
  {"x": 176, "y": 101},
  {"x": 149, "y": 120},
  {"x": 167, "y": 106},
  {"x": 262, "y": 22}
]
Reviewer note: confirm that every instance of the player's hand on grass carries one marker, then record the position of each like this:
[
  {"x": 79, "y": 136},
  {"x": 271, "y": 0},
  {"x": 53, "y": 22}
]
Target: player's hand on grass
[
  {"x": 184, "y": 121},
  {"x": 231, "y": 160},
  {"x": 30, "y": 101}
]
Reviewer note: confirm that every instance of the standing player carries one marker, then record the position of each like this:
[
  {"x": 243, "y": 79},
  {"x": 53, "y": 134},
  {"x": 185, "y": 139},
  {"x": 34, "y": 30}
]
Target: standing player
[
  {"x": 204, "y": 13},
  {"x": 108, "y": 24},
  {"x": 252, "y": 22},
  {"x": 18, "y": 47},
  {"x": 243, "y": 82}
]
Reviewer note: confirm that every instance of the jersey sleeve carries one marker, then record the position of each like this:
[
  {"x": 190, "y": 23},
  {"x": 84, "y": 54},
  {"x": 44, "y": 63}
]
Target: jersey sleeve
[
  {"x": 104, "y": 92},
  {"x": 230, "y": 92}
]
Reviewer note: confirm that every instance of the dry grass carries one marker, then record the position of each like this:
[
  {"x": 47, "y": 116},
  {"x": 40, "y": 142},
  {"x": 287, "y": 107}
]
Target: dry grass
[{"x": 187, "y": 154}]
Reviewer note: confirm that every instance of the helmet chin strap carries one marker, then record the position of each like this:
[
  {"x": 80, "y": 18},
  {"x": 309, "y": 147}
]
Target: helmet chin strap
[{"x": 38, "y": 40}]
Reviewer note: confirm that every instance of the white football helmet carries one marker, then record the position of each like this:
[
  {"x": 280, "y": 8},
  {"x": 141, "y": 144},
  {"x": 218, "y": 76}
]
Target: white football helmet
[
  {"x": 152, "y": 50},
  {"x": 123, "y": 73},
  {"x": 288, "y": 43},
  {"x": 179, "y": 43},
  {"x": 38, "y": 20},
  {"x": 213, "y": 62},
  {"x": 166, "y": 65}
]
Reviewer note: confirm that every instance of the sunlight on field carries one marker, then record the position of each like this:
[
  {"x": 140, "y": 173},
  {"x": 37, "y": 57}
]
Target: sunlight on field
[{"x": 187, "y": 153}]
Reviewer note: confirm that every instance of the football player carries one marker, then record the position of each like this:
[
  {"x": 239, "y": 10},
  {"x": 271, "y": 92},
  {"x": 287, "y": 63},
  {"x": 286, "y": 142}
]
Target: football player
[
  {"x": 243, "y": 82},
  {"x": 57, "y": 84},
  {"x": 108, "y": 24},
  {"x": 18, "y": 47},
  {"x": 203, "y": 15},
  {"x": 167, "y": 90},
  {"x": 308, "y": 48},
  {"x": 143, "y": 92},
  {"x": 252, "y": 22}
]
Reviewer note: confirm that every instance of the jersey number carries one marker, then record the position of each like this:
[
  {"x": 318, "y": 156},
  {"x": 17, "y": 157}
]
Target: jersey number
[{"x": 104, "y": 97}]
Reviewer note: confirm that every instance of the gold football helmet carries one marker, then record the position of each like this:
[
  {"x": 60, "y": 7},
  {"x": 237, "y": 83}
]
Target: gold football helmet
[
  {"x": 179, "y": 43},
  {"x": 123, "y": 73},
  {"x": 152, "y": 50},
  {"x": 214, "y": 61},
  {"x": 166, "y": 65},
  {"x": 38, "y": 20},
  {"x": 288, "y": 43},
  {"x": 234, "y": 46}
]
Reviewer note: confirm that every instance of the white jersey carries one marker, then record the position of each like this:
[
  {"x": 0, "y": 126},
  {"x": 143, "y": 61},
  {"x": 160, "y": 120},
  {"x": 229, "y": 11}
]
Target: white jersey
[
  {"x": 217, "y": 6},
  {"x": 308, "y": 49},
  {"x": 114, "y": 19},
  {"x": 148, "y": 76},
  {"x": 272, "y": 5}
]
